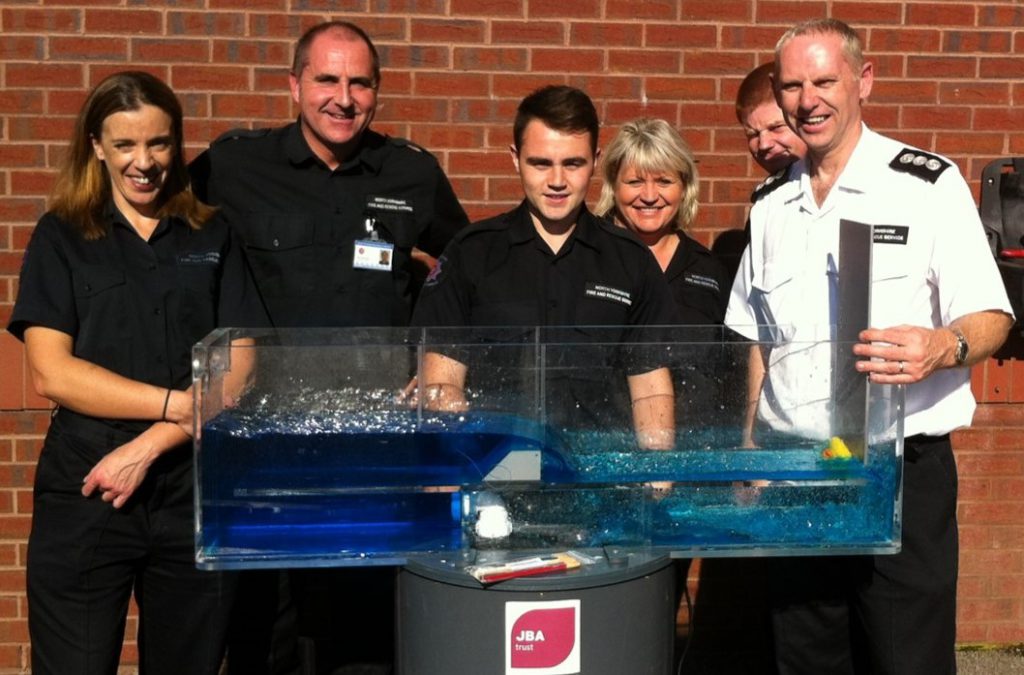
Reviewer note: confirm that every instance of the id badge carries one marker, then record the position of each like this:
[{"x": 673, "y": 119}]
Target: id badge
[{"x": 372, "y": 254}]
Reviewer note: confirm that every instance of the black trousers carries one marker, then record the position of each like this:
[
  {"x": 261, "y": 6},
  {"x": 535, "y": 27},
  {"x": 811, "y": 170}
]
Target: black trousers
[
  {"x": 883, "y": 615},
  {"x": 85, "y": 558}
]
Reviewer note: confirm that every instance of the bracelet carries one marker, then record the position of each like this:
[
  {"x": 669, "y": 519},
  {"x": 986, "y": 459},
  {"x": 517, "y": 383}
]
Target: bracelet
[{"x": 167, "y": 399}]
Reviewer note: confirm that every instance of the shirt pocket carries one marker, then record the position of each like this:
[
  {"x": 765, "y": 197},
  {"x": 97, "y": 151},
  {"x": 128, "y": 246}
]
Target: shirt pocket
[
  {"x": 772, "y": 304},
  {"x": 891, "y": 292},
  {"x": 198, "y": 284},
  {"x": 99, "y": 293},
  {"x": 281, "y": 249}
]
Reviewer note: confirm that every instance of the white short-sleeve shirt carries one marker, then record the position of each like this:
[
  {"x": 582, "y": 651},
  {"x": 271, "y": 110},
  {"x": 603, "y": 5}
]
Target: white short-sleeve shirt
[{"x": 931, "y": 264}]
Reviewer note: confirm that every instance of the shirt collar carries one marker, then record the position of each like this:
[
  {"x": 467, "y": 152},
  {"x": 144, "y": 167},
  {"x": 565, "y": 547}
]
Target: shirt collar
[
  {"x": 522, "y": 230},
  {"x": 113, "y": 217},
  {"x": 370, "y": 153}
]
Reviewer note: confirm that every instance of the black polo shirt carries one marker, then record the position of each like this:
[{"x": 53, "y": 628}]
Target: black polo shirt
[
  {"x": 499, "y": 272},
  {"x": 700, "y": 285},
  {"x": 132, "y": 306},
  {"x": 300, "y": 221}
]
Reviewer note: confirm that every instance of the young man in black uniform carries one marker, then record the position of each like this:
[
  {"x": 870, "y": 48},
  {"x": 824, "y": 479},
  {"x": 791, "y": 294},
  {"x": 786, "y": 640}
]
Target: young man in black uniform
[
  {"x": 550, "y": 262},
  {"x": 339, "y": 225}
]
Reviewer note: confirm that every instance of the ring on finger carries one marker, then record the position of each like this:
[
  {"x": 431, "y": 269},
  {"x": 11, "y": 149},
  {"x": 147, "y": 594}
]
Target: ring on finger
[{"x": 902, "y": 365}]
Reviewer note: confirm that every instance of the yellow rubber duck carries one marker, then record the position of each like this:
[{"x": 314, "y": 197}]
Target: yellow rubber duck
[{"x": 836, "y": 449}]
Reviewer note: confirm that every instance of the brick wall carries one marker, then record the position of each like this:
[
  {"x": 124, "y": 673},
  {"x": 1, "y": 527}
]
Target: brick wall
[{"x": 948, "y": 79}]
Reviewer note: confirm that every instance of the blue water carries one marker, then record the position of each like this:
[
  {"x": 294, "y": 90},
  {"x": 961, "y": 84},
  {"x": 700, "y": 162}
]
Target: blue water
[{"x": 297, "y": 489}]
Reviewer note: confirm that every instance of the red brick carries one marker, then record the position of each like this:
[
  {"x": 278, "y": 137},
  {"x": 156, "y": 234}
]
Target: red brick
[
  {"x": 903, "y": 40},
  {"x": 617, "y": 112},
  {"x": 681, "y": 88},
  {"x": 681, "y": 36},
  {"x": 647, "y": 61},
  {"x": 492, "y": 58},
  {"x": 251, "y": 105},
  {"x": 282, "y": 25},
  {"x": 603, "y": 88},
  {"x": 934, "y": 118},
  {"x": 528, "y": 32},
  {"x": 48, "y": 75},
  {"x": 416, "y": 56},
  {"x": 447, "y": 31},
  {"x": 485, "y": 110},
  {"x": 171, "y": 51},
  {"x": 480, "y": 163},
  {"x": 751, "y": 37},
  {"x": 100, "y": 71},
  {"x": 448, "y": 84},
  {"x": 213, "y": 24},
  {"x": 953, "y": 143},
  {"x": 656, "y": 10},
  {"x": 518, "y": 86},
  {"x": 1001, "y": 67},
  {"x": 31, "y": 182},
  {"x": 867, "y": 13},
  {"x": 275, "y": 5},
  {"x": 264, "y": 52},
  {"x": 22, "y": 48},
  {"x": 49, "y": 20},
  {"x": 488, "y": 8},
  {"x": 904, "y": 91},
  {"x": 990, "y": 563},
  {"x": 554, "y": 60},
  {"x": 604, "y": 34},
  {"x": 787, "y": 12},
  {"x": 128, "y": 22},
  {"x": 468, "y": 188},
  {"x": 960, "y": 42},
  {"x": 340, "y": 6},
  {"x": 211, "y": 77},
  {"x": 398, "y": 6},
  {"x": 970, "y": 609},
  {"x": 940, "y": 14},
  {"x": 723, "y": 10},
  {"x": 424, "y": 110},
  {"x": 1000, "y": 16},
  {"x": 946, "y": 66},
  {"x": 88, "y": 48},
  {"x": 577, "y": 9},
  {"x": 970, "y": 92},
  {"x": 717, "y": 63}
]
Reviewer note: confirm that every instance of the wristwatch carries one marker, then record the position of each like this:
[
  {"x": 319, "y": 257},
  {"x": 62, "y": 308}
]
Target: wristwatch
[{"x": 962, "y": 348}]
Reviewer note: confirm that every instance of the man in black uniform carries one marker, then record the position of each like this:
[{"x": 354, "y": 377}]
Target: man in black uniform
[
  {"x": 339, "y": 224},
  {"x": 336, "y": 219},
  {"x": 550, "y": 262}
]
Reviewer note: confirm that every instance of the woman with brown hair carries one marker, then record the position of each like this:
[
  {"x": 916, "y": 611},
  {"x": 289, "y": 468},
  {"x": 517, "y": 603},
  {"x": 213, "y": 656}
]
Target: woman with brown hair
[{"x": 124, "y": 273}]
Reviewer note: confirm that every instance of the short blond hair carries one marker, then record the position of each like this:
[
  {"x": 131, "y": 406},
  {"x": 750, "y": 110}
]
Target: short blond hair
[
  {"x": 853, "y": 48},
  {"x": 650, "y": 146}
]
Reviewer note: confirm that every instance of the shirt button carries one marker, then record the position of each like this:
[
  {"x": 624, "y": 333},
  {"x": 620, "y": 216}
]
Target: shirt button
[
  {"x": 156, "y": 311},
  {"x": 276, "y": 243}
]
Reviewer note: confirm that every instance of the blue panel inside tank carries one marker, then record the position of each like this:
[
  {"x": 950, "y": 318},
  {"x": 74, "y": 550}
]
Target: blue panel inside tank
[{"x": 289, "y": 489}]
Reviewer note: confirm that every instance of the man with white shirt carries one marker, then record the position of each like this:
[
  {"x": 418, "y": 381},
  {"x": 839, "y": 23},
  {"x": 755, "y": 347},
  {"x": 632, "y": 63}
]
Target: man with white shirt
[{"x": 937, "y": 307}]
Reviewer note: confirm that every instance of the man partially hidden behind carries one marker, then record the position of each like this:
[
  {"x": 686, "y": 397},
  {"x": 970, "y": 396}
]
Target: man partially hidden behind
[
  {"x": 550, "y": 262},
  {"x": 938, "y": 307},
  {"x": 340, "y": 225}
]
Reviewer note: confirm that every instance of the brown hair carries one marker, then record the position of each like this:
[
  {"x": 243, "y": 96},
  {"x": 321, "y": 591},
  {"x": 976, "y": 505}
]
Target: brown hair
[
  {"x": 559, "y": 107},
  {"x": 301, "y": 59},
  {"x": 754, "y": 91},
  {"x": 82, "y": 189}
]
